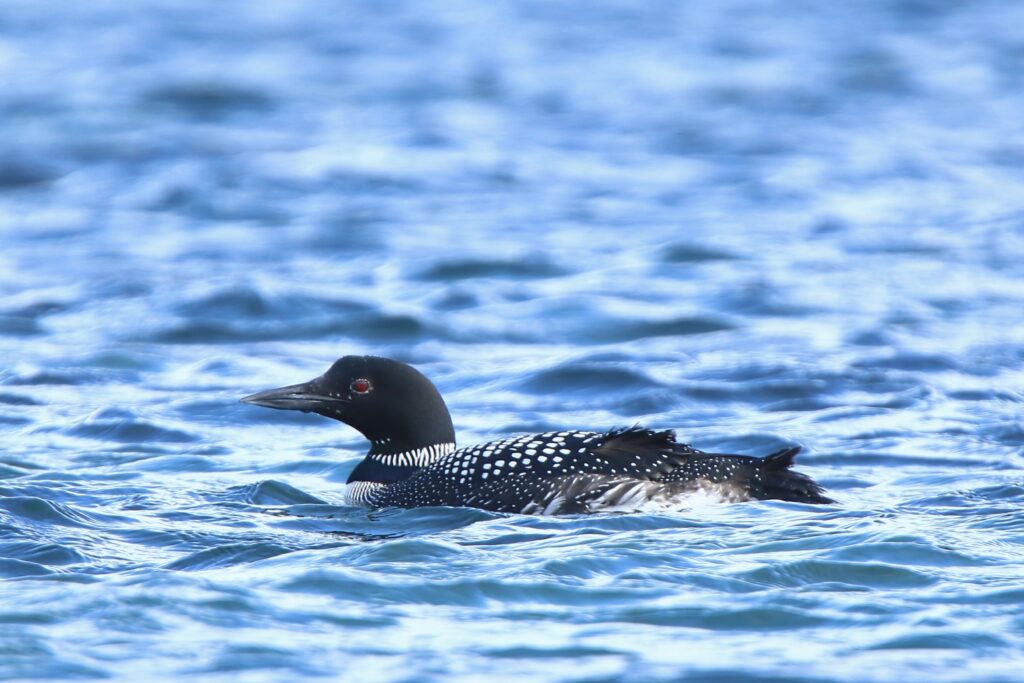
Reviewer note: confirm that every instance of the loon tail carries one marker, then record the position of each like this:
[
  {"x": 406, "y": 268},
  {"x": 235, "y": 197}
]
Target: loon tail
[
  {"x": 745, "y": 477},
  {"x": 777, "y": 481},
  {"x": 731, "y": 477}
]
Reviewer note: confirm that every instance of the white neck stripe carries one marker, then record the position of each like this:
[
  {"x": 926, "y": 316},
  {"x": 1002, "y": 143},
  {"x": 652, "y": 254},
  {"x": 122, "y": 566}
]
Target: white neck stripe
[
  {"x": 421, "y": 457},
  {"x": 360, "y": 493}
]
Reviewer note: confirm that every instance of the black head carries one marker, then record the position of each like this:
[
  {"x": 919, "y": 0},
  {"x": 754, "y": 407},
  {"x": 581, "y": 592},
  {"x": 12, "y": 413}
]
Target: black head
[{"x": 392, "y": 404}]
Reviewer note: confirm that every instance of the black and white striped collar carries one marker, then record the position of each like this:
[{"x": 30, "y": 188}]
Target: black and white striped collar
[{"x": 417, "y": 457}]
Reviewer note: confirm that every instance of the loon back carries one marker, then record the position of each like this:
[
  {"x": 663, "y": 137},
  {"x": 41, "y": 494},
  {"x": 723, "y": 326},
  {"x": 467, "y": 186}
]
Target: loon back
[{"x": 413, "y": 461}]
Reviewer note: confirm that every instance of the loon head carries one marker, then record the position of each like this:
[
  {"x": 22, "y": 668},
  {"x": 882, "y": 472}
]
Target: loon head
[{"x": 390, "y": 403}]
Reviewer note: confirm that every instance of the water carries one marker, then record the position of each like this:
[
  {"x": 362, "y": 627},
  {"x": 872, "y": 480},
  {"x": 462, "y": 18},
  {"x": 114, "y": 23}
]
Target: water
[{"x": 761, "y": 223}]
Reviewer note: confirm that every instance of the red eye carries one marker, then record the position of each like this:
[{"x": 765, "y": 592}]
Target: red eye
[{"x": 361, "y": 386}]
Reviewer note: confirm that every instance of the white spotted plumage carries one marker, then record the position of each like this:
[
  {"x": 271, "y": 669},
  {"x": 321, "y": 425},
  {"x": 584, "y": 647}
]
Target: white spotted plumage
[{"x": 413, "y": 460}]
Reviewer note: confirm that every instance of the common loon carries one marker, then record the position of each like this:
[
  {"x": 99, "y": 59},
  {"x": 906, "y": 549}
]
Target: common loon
[{"x": 413, "y": 461}]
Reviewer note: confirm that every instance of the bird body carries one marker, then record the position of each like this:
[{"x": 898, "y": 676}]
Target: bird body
[{"x": 413, "y": 460}]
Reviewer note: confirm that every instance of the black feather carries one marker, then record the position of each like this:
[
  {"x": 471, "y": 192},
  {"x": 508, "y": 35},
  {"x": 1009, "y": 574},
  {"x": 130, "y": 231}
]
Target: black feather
[
  {"x": 781, "y": 459},
  {"x": 413, "y": 461},
  {"x": 767, "y": 478},
  {"x": 643, "y": 453}
]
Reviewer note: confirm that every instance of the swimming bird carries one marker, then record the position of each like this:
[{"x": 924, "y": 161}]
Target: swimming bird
[{"x": 413, "y": 460}]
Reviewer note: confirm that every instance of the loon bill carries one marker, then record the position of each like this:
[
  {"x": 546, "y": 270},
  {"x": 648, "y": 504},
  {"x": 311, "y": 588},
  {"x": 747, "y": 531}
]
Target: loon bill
[{"x": 413, "y": 461}]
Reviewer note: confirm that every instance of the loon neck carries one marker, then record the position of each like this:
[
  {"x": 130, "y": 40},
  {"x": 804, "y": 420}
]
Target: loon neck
[
  {"x": 386, "y": 464},
  {"x": 414, "y": 429},
  {"x": 392, "y": 454}
]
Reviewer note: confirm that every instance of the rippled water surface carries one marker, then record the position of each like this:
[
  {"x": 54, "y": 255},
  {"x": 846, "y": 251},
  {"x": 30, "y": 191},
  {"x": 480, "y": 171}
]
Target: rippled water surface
[{"x": 761, "y": 223}]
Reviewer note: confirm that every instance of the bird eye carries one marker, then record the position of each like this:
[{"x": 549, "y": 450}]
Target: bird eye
[{"x": 361, "y": 386}]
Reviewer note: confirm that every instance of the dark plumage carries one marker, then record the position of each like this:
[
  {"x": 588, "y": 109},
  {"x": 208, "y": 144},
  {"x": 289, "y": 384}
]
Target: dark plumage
[{"x": 413, "y": 462}]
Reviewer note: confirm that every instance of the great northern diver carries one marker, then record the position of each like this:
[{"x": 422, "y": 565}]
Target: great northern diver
[{"x": 413, "y": 461}]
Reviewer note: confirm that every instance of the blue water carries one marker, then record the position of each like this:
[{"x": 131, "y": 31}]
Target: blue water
[{"x": 761, "y": 223}]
